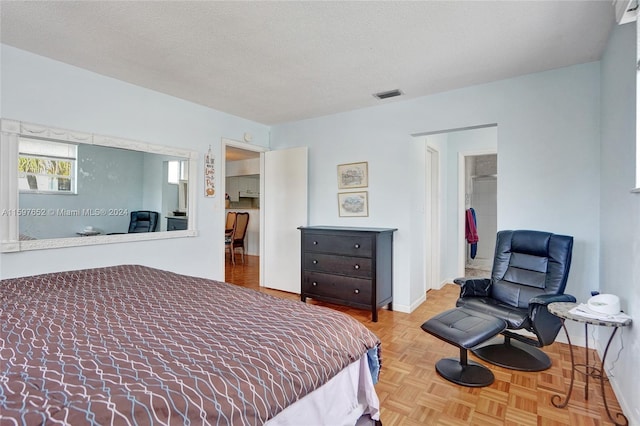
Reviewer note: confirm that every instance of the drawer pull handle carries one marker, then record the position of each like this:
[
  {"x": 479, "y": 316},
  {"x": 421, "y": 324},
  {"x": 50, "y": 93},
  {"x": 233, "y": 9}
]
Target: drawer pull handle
[
  {"x": 315, "y": 262},
  {"x": 356, "y": 266},
  {"x": 357, "y": 246},
  {"x": 314, "y": 284},
  {"x": 356, "y": 291},
  {"x": 315, "y": 243}
]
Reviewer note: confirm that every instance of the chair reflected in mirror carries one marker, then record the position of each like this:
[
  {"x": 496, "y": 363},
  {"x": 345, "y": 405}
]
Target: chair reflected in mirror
[
  {"x": 235, "y": 240},
  {"x": 143, "y": 221}
]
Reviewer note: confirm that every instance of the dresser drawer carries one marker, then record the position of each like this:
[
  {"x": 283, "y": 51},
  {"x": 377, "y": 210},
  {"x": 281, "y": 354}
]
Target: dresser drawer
[
  {"x": 346, "y": 289},
  {"x": 333, "y": 264},
  {"x": 350, "y": 245}
]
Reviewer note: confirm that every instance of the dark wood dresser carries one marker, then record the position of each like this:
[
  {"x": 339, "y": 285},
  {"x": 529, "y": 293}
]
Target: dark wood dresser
[{"x": 348, "y": 266}]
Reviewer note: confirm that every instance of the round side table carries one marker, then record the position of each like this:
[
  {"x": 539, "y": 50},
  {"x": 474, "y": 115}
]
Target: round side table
[{"x": 561, "y": 310}]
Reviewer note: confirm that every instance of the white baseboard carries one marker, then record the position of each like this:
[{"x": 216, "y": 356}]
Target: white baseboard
[{"x": 417, "y": 303}]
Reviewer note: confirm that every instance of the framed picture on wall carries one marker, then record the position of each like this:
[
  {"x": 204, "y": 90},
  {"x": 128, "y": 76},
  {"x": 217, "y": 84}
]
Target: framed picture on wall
[
  {"x": 353, "y": 175},
  {"x": 353, "y": 204}
]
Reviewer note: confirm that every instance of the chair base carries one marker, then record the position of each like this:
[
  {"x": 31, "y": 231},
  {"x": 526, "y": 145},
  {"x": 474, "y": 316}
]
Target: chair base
[
  {"x": 470, "y": 374},
  {"x": 514, "y": 355}
]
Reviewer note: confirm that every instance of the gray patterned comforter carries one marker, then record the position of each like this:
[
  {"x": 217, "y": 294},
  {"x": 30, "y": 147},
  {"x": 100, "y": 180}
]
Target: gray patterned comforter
[{"x": 135, "y": 345}]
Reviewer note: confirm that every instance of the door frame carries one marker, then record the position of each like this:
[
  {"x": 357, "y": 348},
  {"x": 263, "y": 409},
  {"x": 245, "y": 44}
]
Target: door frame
[{"x": 432, "y": 266}]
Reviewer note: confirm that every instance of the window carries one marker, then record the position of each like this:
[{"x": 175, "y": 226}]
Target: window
[
  {"x": 178, "y": 170},
  {"x": 47, "y": 167}
]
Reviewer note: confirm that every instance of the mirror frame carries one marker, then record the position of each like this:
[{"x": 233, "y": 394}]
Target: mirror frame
[{"x": 9, "y": 194}]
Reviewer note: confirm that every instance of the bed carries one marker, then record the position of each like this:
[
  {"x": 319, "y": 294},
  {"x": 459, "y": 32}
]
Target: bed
[{"x": 134, "y": 345}]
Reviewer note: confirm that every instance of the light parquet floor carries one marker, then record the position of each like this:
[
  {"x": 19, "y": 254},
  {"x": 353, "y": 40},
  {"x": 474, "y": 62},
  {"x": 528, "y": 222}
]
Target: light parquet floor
[{"x": 412, "y": 393}]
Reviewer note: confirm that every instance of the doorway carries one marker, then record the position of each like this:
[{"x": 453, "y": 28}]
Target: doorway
[
  {"x": 282, "y": 199},
  {"x": 480, "y": 197},
  {"x": 242, "y": 183},
  {"x": 441, "y": 219}
]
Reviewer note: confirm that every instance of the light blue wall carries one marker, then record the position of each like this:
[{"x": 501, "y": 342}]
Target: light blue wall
[
  {"x": 548, "y": 161},
  {"x": 620, "y": 212},
  {"x": 42, "y": 91},
  {"x": 107, "y": 178}
]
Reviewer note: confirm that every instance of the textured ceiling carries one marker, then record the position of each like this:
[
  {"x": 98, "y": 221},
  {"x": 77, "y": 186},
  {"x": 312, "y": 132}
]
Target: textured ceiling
[{"x": 274, "y": 62}]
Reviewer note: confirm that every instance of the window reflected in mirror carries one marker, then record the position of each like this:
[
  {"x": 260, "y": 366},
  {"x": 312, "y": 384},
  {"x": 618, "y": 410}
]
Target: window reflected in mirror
[
  {"x": 46, "y": 167},
  {"x": 177, "y": 174}
]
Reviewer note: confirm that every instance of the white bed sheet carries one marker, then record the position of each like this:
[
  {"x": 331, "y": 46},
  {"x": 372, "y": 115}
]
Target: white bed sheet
[{"x": 341, "y": 401}]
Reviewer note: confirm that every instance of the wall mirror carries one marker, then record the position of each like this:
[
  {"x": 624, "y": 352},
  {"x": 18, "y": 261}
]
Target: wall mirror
[{"x": 61, "y": 188}]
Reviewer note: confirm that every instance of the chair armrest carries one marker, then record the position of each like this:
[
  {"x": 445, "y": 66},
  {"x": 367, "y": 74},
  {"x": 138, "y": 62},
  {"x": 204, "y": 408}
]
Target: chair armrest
[
  {"x": 544, "y": 324},
  {"x": 461, "y": 280},
  {"x": 474, "y": 287},
  {"x": 545, "y": 299}
]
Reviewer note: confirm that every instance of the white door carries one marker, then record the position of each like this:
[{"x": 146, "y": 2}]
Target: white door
[{"x": 284, "y": 210}]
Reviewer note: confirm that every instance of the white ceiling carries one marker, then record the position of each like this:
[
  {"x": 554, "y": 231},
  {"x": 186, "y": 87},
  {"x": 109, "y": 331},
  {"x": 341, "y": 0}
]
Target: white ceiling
[{"x": 274, "y": 62}]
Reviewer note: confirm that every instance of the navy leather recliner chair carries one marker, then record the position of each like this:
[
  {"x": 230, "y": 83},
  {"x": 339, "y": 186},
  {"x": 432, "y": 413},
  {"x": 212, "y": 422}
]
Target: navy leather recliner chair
[
  {"x": 143, "y": 221},
  {"x": 530, "y": 270}
]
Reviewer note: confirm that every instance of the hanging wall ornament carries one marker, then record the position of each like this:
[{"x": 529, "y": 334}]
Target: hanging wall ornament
[{"x": 209, "y": 174}]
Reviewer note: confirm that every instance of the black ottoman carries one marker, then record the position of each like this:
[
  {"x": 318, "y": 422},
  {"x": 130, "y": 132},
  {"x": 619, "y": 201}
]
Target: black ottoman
[{"x": 464, "y": 329}]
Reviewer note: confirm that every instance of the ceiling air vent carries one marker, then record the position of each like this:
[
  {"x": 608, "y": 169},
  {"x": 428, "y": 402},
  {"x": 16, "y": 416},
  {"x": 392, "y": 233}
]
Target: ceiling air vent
[{"x": 388, "y": 94}]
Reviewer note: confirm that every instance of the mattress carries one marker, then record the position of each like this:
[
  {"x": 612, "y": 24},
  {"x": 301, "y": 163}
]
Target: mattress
[{"x": 131, "y": 344}]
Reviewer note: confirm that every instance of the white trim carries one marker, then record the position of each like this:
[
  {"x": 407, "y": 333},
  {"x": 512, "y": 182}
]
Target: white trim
[
  {"x": 56, "y": 134},
  {"x": 462, "y": 251},
  {"x": 445, "y": 282},
  {"x": 407, "y": 309},
  {"x": 101, "y": 239},
  {"x": 433, "y": 267},
  {"x": 9, "y": 143},
  {"x": 415, "y": 305}
]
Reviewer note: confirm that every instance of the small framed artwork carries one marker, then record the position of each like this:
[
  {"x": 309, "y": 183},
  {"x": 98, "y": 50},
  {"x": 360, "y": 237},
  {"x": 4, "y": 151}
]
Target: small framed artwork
[
  {"x": 353, "y": 175},
  {"x": 353, "y": 204}
]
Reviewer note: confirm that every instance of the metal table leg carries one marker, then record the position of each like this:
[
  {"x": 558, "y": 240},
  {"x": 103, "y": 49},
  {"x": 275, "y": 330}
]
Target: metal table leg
[
  {"x": 556, "y": 400},
  {"x": 594, "y": 372}
]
